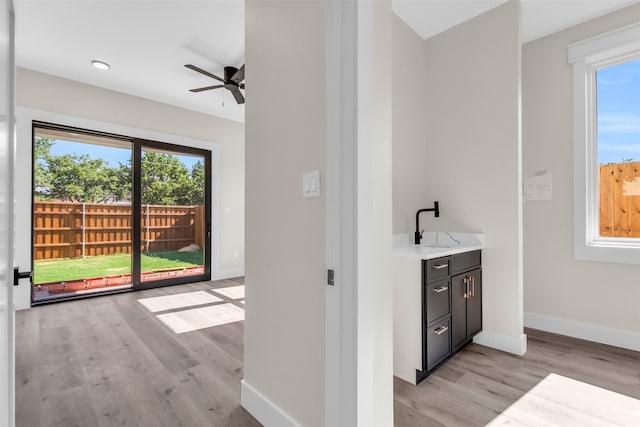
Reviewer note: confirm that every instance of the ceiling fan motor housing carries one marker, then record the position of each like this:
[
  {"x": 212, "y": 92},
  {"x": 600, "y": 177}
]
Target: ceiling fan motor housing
[{"x": 229, "y": 72}]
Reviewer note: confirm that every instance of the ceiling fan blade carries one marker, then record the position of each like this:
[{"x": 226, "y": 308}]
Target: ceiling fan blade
[
  {"x": 200, "y": 89},
  {"x": 237, "y": 95},
  {"x": 201, "y": 71},
  {"x": 239, "y": 75}
]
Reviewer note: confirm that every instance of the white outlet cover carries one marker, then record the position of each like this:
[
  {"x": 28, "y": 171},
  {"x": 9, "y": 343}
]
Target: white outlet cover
[{"x": 311, "y": 184}]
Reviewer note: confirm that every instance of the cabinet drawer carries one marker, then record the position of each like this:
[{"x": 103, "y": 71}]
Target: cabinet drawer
[
  {"x": 437, "y": 268},
  {"x": 464, "y": 261},
  {"x": 437, "y": 300},
  {"x": 438, "y": 343}
]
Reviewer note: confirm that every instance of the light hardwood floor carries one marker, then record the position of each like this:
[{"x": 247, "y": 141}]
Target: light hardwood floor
[
  {"x": 552, "y": 385},
  {"x": 108, "y": 361}
]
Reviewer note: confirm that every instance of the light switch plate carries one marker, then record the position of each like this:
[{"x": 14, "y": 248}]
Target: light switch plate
[{"x": 311, "y": 184}]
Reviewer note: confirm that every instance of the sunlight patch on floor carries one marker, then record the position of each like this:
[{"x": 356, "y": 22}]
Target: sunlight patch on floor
[
  {"x": 232, "y": 292},
  {"x": 200, "y": 318},
  {"x": 172, "y": 302},
  {"x": 561, "y": 401}
]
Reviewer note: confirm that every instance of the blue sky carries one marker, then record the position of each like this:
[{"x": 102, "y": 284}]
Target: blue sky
[
  {"x": 112, "y": 155},
  {"x": 619, "y": 113}
]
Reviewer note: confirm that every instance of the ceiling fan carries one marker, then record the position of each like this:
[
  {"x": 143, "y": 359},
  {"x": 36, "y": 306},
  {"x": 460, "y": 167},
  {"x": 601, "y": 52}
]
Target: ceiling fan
[{"x": 232, "y": 81}]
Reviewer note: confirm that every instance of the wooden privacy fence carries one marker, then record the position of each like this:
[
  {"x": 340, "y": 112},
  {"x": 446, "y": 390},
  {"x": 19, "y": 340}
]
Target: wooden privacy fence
[
  {"x": 71, "y": 230},
  {"x": 620, "y": 200}
]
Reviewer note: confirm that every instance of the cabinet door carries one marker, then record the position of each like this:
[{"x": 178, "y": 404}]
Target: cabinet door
[
  {"x": 474, "y": 303},
  {"x": 458, "y": 311}
]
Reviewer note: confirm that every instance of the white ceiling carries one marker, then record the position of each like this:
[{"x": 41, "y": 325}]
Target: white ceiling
[
  {"x": 147, "y": 42},
  {"x": 539, "y": 17}
]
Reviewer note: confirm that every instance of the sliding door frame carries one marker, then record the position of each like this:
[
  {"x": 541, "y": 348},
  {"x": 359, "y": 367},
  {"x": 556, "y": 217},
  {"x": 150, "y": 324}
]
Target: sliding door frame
[{"x": 137, "y": 145}]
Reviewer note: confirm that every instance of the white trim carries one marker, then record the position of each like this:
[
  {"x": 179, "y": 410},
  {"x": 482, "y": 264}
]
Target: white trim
[
  {"x": 25, "y": 117},
  {"x": 586, "y": 331},
  {"x": 341, "y": 299},
  {"x": 515, "y": 345},
  {"x": 587, "y": 57},
  {"x": 366, "y": 285},
  {"x": 11, "y": 238},
  {"x": 263, "y": 410},
  {"x": 613, "y": 43},
  {"x": 227, "y": 274}
]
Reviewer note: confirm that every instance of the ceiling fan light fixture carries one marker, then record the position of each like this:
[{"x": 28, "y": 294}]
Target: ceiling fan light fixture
[{"x": 100, "y": 65}]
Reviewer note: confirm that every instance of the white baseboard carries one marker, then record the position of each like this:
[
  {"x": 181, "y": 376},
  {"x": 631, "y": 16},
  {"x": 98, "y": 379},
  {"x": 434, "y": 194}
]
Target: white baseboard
[
  {"x": 515, "y": 345},
  {"x": 263, "y": 410},
  {"x": 227, "y": 274},
  {"x": 586, "y": 331}
]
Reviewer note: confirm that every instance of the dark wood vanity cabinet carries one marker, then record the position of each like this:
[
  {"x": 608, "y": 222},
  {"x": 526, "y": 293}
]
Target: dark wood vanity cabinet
[
  {"x": 451, "y": 307},
  {"x": 466, "y": 307}
]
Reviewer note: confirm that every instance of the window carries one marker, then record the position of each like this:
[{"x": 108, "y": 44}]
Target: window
[{"x": 606, "y": 91}]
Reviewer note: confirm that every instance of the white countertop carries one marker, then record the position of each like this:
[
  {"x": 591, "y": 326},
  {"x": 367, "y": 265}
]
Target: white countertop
[{"x": 436, "y": 244}]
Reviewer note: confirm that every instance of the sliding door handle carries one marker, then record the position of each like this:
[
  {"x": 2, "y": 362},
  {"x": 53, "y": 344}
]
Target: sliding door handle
[{"x": 17, "y": 275}]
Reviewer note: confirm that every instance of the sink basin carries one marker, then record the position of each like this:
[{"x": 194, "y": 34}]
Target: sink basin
[
  {"x": 436, "y": 244},
  {"x": 440, "y": 240},
  {"x": 440, "y": 244}
]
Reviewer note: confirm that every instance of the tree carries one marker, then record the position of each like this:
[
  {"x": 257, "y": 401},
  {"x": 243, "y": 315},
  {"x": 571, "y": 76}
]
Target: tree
[
  {"x": 77, "y": 178},
  {"x": 80, "y": 178},
  {"x": 41, "y": 153},
  {"x": 197, "y": 183},
  {"x": 167, "y": 181}
]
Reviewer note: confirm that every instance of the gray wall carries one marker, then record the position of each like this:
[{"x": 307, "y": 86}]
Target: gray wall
[
  {"x": 556, "y": 285},
  {"x": 62, "y": 96},
  {"x": 285, "y": 256},
  {"x": 410, "y": 141},
  {"x": 457, "y": 140}
]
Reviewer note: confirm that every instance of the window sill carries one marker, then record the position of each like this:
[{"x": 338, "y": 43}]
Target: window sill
[{"x": 610, "y": 250}]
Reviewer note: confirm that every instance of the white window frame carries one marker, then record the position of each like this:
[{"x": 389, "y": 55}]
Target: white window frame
[{"x": 587, "y": 57}]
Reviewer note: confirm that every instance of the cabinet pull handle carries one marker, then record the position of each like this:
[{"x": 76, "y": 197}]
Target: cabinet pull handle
[
  {"x": 466, "y": 287},
  {"x": 441, "y": 330},
  {"x": 440, "y": 289},
  {"x": 473, "y": 286},
  {"x": 440, "y": 266}
]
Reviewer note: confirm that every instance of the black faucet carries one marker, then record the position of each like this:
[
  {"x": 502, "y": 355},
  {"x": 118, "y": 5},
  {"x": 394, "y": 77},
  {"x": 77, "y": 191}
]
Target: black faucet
[{"x": 418, "y": 234}]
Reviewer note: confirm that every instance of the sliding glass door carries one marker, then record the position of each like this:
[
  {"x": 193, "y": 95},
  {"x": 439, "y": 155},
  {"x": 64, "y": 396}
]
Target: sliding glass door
[
  {"x": 173, "y": 213},
  {"x": 112, "y": 213},
  {"x": 82, "y": 218}
]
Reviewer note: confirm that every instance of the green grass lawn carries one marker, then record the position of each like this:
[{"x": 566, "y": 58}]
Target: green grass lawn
[{"x": 58, "y": 270}]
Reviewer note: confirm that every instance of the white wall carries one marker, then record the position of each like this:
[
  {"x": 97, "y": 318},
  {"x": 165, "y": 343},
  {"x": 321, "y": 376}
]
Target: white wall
[
  {"x": 592, "y": 300},
  {"x": 462, "y": 148},
  {"x": 60, "y": 96},
  {"x": 285, "y": 276}
]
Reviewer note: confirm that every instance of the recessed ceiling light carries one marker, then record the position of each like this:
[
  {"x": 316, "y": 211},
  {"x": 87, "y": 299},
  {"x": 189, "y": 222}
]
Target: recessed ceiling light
[{"x": 100, "y": 65}]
